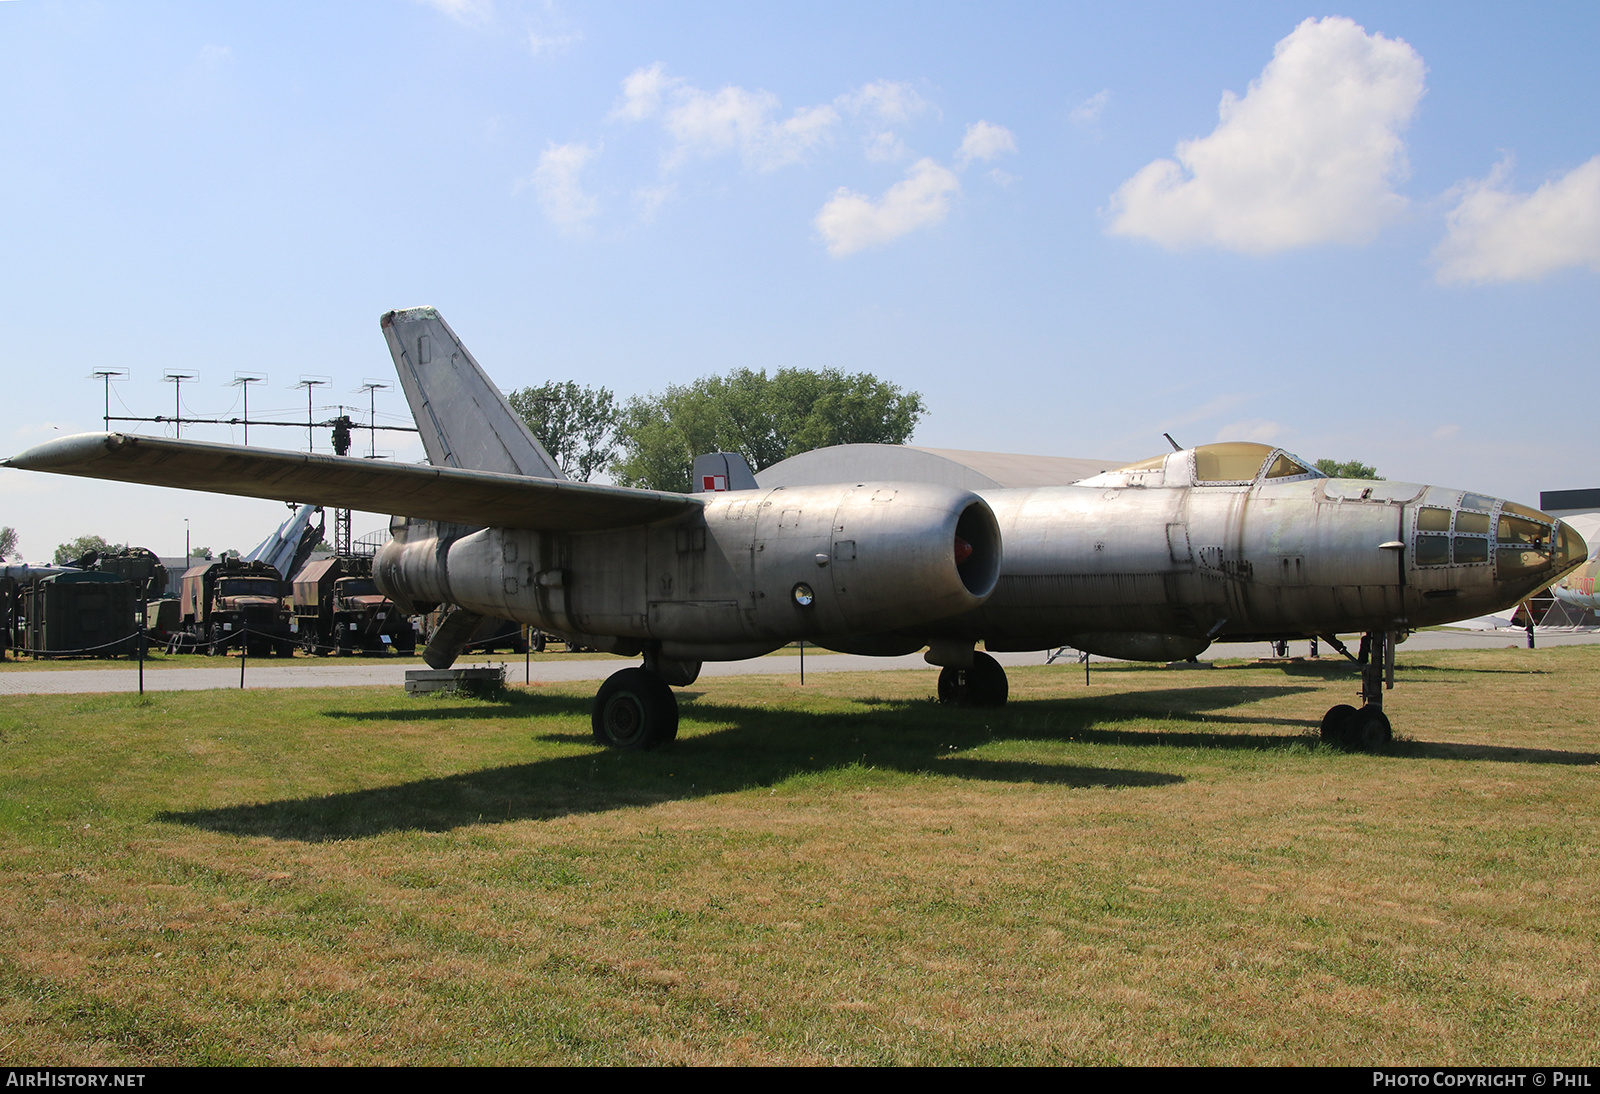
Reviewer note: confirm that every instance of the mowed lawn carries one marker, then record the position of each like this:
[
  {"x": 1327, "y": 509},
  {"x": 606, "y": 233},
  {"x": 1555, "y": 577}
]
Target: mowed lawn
[{"x": 1159, "y": 867}]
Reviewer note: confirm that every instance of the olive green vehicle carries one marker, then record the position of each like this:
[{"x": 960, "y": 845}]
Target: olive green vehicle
[
  {"x": 227, "y": 604},
  {"x": 337, "y": 608}
]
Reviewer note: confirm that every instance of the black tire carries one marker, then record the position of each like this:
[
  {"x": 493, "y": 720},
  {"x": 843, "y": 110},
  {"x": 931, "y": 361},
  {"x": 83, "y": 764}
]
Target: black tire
[
  {"x": 952, "y": 685},
  {"x": 983, "y": 685},
  {"x": 635, "y": 710},
  {"x": 1369, "y": 730},
  {"x": 1335, "y": 722}
]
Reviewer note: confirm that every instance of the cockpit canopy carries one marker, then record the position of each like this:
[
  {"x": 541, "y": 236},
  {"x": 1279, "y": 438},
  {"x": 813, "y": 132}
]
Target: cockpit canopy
[{"x": 1225, "y": 463}]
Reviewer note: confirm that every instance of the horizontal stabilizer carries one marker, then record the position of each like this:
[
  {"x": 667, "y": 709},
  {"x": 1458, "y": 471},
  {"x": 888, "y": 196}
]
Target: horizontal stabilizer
[{"x": 481, "y": 498}]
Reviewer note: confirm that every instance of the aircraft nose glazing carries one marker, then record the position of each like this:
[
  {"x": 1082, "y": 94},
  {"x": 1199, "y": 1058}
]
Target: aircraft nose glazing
[
  {"x": 1530, "y": 543},
  {"x": 1571, "y": 550}
]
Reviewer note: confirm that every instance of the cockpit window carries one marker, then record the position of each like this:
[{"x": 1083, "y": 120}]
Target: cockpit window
[
  {"x": 1431, "y": 519},
  {"x": 1283, "y": 467},
  {"x": 1476, "y": 501},
  {"x": 1230, "y": 461},
  {"x": 1516, "y": 530}
]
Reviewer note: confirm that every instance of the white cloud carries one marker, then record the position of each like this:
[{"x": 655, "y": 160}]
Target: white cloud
[
  {"x": 560, "y": 192},
  {"x": 1495, "y": 234},
  {"x": 642, "y": 90},
  {"x": 648, "y": 199},
  {"x": 887, "y": 101},
  {"x": 1260, "y": 430},
  {"x": 709, "y": 123},
  {"x": 850, "y": 222},
  {"x": 1088, "y": 112},
  {"x": 548, "y": 45},
  {"x": 1309, "y": 155},
  {"x": 465, "y": 11},
  {"x": 211, "y": 56},
  {"x": 985, "y": 142},
  {"x": 885, "y": 147}
]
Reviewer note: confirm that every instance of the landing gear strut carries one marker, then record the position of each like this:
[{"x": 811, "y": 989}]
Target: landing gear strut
[
  {"x": 1367, "y": 728},
  {"x": 983, "y": 685}
]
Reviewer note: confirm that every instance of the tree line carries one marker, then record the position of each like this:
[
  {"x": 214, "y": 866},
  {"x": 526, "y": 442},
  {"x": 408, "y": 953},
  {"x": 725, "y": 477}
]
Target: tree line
[{"x": 651, "y": 441}]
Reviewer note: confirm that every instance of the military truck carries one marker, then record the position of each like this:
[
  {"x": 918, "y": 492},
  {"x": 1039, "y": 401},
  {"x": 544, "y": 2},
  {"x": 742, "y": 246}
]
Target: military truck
[
  {"x": 338, "y": 609},
  {"x": 225, "y": 603}
]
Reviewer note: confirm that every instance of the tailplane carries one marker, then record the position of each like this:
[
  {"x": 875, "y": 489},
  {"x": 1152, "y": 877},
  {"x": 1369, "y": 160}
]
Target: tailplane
[{"x": 464, "y": 420}]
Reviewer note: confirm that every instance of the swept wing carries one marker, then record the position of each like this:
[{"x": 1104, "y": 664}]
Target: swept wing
[{"x": 448, "y": 494}]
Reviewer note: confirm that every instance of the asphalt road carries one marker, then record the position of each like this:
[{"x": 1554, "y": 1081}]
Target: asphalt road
[{"x": 360, "y": 672}]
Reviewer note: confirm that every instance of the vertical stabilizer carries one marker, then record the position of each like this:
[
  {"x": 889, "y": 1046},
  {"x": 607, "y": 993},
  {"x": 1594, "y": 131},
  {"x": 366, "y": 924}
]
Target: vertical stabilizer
[
  {"x": 717, "y": 471},
  {"x": 465, "y": 421}
]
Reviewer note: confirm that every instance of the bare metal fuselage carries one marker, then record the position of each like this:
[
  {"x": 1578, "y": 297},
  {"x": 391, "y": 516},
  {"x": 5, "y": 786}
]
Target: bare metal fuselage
[{"x": 1149, "y": 565}]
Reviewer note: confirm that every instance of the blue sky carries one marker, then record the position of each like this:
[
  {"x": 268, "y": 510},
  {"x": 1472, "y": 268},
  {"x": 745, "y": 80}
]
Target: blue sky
[{"x": 1364, "y": 232}]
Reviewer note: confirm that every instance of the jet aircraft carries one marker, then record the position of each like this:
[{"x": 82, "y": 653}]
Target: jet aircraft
[
  {"x": 1578, "y": 590},
  {"x": 1152, "y": 561}
]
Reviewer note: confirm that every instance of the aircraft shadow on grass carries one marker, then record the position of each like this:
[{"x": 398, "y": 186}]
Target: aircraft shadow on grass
[
  {"x": 761, "y": 746},
  {"x": 753, "y": 747},
  {"x": 1331, "y": 668}
]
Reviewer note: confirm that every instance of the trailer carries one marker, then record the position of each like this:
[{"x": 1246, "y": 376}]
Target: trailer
[{"x": 86, "y": 613}]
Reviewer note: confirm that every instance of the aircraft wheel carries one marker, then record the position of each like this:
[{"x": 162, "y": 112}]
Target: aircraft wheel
[
  {"x": 983, "y": 685},
  {"x": 635, "y": 710},
  {"x": 1369, "y": 730},
  {"x": 1335, "y": 722}
]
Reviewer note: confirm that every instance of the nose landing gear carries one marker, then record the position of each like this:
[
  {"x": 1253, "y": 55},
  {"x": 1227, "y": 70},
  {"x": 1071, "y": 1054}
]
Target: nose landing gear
[{"x": 1368, "y": 728}]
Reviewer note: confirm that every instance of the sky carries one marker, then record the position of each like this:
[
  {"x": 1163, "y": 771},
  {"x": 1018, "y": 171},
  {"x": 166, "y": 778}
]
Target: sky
[{"x": 1368, "y": 232}]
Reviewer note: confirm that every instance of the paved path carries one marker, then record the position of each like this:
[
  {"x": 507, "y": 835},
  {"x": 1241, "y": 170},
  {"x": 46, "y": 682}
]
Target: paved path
[{"x": 392, "y": 673}]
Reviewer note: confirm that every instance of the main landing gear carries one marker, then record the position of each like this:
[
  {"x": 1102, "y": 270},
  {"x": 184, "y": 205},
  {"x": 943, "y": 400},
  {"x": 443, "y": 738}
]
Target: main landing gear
[
  {"x": 636, "y": 709},
  {"x": 982, "y": 685},
  {"x": 1368, "y": 728}
]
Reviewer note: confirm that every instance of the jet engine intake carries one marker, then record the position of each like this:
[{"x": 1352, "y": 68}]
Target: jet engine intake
[{"x": 889, "y": 556}]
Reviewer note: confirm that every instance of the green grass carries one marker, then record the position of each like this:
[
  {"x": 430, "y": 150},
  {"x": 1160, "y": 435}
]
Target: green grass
[{"x": 1161, "y": 867}]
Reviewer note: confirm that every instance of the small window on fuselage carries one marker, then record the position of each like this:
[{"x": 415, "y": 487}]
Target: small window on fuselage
[
  {"x": 1433, "y": 551},
  {"x": 1430, "y": 519}
]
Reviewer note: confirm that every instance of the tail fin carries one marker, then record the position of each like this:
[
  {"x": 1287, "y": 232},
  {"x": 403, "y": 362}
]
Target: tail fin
[
  {"x": 717, "y": 471},
  {"x": 465, "y": 421}
]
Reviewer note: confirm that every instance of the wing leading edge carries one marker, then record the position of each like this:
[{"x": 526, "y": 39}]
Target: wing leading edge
[{"x": 488, "y": 498}]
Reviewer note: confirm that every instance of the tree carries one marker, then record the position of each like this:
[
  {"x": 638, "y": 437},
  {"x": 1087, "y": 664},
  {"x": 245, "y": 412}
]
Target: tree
[
  {"x": 8, "y": 542},
  {"x": 77, "y": 548},
  {"x": 1349, "y": 469},
  {"x": 200, "y": 552},
  {"x": 575, "y": 424},
  {"x": 764, "y": 419}
]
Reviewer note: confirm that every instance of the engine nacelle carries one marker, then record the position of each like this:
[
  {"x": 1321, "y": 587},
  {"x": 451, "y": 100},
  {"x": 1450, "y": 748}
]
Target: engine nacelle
[
  {"x": 838, "y": 561},
  {"x": 749, "y": 572}
]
